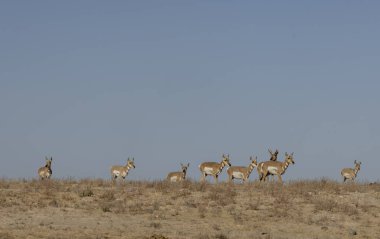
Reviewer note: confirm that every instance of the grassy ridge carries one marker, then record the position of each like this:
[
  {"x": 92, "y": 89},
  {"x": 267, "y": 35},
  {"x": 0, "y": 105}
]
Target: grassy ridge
[{"x": 159, "y": 209}]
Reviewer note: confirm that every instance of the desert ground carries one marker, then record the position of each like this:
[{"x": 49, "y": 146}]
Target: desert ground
[{"x": 95, "y": 208}]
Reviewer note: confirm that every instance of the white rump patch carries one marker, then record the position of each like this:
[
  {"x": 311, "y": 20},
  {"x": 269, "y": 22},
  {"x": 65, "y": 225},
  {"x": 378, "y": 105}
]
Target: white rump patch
[
  {"x": 45, "y": 174},
  {"x": 116, "y": 173},
  {"x": 273, "y": 170},
  {"x": 208, "y": 170},
  {"x": 238, "y": 175}
]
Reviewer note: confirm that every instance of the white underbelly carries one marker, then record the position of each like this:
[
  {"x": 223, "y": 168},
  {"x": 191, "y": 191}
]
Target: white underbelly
[
  {"x": 208, "y": 170},
  {"x": 273, "y": 170},
  {"x": 346, "y": 175},
  {"x": 116, "y": 173},
  {"x": 174, "y": 178},
  {"x": 238, "y": 175}
]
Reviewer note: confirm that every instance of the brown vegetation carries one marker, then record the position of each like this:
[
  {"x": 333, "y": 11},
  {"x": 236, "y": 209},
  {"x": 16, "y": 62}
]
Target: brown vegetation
[{"x": 160, "y": 209}]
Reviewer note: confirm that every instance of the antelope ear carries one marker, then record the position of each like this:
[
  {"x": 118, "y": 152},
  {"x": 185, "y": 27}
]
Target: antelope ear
[
  {"x": 181, "y": 165},
  {"x": 133, "y": 159},
  {"x": 292, "y": 153},
  {"x": 188, "y": 164},
  {"x": 286, "y": 153},
  {"x": 51, "y": 158},
  {"x": 355, "y": 162}
]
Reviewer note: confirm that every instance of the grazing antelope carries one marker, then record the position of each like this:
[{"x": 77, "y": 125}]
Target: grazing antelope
[
  {"x": 46, "y": 172},
  {"x": 241, "y": 172},
  {"x": 350, "y": 173},
  {"x": 178, "y": 176},
  {"x": 213, "y": 168},
  {"x": 276, "y": 167},
  {"x": 117, "y": 171}
]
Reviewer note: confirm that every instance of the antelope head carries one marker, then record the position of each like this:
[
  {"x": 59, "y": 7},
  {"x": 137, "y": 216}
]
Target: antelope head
[
  {"x": 289, "y": 158},
  {"x": 131, "y": 163},
  {"x": 357, "y": 165},
  {"x": 48, "y": 162},
  {"x": 184, "y": 167},
  {"x": 273, "y": 156},
  {"x": 226, "y": 160},
  {"x": 253, "y": 161}
]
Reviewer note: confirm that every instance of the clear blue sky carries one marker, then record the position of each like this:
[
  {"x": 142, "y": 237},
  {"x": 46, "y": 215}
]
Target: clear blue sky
[{"x": 93, "y": 82}]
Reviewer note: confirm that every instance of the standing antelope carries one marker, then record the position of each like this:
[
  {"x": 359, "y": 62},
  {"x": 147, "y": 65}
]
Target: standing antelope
[
  {"x": 276, "y": 167},
  {"x": 350, "y": 173},
  {"x": 241, "y": 172},
  {"x": 213, "y": 168},
  {"x": 122, "y": 171},
  {"x": 273, "y": 157},
  {"x": 178, "y": 176},
  {"x": 46, "y": 172}
]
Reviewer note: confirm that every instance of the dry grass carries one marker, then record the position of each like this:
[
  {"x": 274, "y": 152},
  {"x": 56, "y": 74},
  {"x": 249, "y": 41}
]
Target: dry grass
[{"x": 159, "y": 209}]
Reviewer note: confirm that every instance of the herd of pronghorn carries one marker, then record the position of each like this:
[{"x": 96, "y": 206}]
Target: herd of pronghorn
[{"x": 264, "y": 169}]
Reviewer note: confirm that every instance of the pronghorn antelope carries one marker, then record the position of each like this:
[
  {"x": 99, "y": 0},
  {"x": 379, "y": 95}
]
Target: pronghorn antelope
[
  {"x": 350, "y": 173},
  {"x": 213, "y": 168},
  {"x": 273, "y": 157},
  {"x": 241, "y": 172},
  {"x": 178, "y": 176},
  {"x": 276, "y": 167},
  {"x": 46, "y": 172},
  {"x": 117, "y": 171}
]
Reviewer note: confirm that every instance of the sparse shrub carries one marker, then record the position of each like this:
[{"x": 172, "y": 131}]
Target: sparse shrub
[
  {"x": 254, "y": 204},
  {"x": 191, "y": 203},
  {"x": 203, "y": 236},
  {"x": 200, "y": 187},
  {"x": 221, "y": 196},
  {"x": 216, "y": 227},
  {"x": 6, "y": 235},
  {"x": 106, "y": 207},
  {"x": 108, "y": 196},
  {"x": 5, "y": 184},
  {"x": 157, "y": 236},
  {"x": 282, "y": 198},
  {"x": 136, "y": 208},
  {"x": 87, "y": 192},
  {"x": 221, "y": 236},
  {"x": 202, "y": 210},
  {"x": 325, "y": 205},
  {"x": 53, "y": 203},
  {"x": 162, "y": 186},
  {"x": 181, "y": 193},
  {"x": 331, "y": 205},
  {"x": 41, "y": 203},
  {"x": 155, "y": 225},
  {"x": 156, "y": 206}
]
